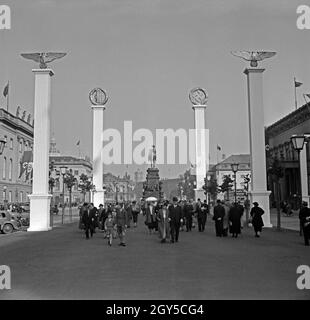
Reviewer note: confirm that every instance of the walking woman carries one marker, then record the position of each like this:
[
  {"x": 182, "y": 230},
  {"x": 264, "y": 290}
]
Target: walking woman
[
  {"x": 257, "y": 221},
  {"x": 235, "y": 214},
  {"x": 163, "y": 222}
]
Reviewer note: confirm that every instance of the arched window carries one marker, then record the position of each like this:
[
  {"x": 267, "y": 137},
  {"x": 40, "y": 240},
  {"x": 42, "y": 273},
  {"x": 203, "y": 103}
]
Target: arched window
[{"x": 4, "y": 168}]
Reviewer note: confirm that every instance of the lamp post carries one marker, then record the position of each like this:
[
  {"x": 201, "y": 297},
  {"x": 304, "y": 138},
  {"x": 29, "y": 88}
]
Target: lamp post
[
  {"x": 63, "y": 171},
  {"x": 208, "y": 191},
  {"x": 298, "y": 141},
  {"x": 234, "y": 168}
]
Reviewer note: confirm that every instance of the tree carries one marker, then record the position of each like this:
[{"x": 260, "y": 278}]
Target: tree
[
  {"x": 70, "y": 181},
  {"x": 85, "y": 185},
  {"x": 186, "y": 185},
  {"x": 226, "y": 186},
  {"x": 276, "y": 171},
  {"x": 211, "y": 187}
]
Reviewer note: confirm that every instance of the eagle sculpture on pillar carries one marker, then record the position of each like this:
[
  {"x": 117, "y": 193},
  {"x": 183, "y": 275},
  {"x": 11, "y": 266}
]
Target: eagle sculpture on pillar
[
  {"x": 43, "y": 58},
  {"x": 253, "y": 56}
]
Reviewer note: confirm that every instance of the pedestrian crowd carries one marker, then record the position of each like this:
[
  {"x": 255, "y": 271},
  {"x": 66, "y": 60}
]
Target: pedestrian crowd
[{"x": 168, "y": 218}]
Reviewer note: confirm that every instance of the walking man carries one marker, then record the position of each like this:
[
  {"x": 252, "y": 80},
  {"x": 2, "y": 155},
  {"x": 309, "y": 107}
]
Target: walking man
[
  {"x": 175, "y": 219},
  {"x": 304, "y": 217},
  {"x": 88, "y": 219},
  {"x": 219, "y": 214},
  {"x": 121, "y": 223}
]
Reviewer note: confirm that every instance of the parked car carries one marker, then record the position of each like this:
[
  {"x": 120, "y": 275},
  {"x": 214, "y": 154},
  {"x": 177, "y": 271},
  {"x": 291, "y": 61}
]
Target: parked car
[{"x": 8, "y": 224}]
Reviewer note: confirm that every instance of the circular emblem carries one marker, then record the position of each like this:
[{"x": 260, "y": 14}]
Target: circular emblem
[
  {"x": 98, "y": 97},
  {"x": 198, "y": 97}
]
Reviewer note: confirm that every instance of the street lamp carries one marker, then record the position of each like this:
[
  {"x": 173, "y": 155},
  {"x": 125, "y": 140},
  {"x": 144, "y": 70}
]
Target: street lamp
[
  {"x": 63, "y": 171},
  {"x": 298, "y": 141},
  {"x": 2, "y": 145},
  {"x": 234, "y": 168},
  {"x": 208, "y": 191}
]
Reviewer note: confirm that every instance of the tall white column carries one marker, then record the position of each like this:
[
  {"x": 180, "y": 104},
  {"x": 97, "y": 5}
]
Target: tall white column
[
  {"x": 98, "y": 195},
  {"x": 201, "y": 149},
  {"x": 40, "y": 197},
  {"x": 304, "y": 174},
  {"x": 258, "y": 191}
]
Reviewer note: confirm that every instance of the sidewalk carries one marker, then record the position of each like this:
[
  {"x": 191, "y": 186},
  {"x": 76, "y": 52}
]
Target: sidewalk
[{"x": 289, "y": 223}]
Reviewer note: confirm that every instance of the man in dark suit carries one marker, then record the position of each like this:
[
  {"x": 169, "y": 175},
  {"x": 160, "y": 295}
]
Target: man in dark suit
[
  {"x": 188, "y": 214},
  {"x": 219, "y": 214},
  {"x": 89, "y": 220},
  {"x": 304, "y": 217},
  {"x": 175, "y": 219}
]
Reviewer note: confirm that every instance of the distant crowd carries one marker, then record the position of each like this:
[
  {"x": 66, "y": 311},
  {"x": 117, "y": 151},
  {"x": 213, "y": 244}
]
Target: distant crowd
[{"x": 168, "y": 218}]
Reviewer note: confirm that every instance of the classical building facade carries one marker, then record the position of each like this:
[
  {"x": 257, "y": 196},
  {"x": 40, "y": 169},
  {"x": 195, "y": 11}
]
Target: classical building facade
[
  {"x": 16, "y": 160},
  {"x": 224, "y": 168},
  {"x": 76, "y": 166},
  {"x": 279, "y": 147},
  {"x": 119, "y": 188}
]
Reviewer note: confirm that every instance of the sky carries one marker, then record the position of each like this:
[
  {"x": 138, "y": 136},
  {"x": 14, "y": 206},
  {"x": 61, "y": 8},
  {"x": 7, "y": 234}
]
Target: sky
[{"x": 148, "y": 55}]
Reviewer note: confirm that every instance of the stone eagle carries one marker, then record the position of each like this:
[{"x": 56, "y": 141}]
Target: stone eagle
[
  {"x": 253, "y": 56},
  {"x": 43, "y": 58}
]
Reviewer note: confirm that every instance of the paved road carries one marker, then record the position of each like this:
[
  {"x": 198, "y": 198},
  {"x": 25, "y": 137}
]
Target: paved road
[{"x": 61, "y": 264}]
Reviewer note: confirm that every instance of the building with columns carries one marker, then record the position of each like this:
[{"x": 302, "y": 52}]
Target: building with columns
[
  {"x": 15, "y": 181},
  {"x": 74, "y": 164},
  {"x": 224, "y": 168},
  {"x": 279, "y": 147}
]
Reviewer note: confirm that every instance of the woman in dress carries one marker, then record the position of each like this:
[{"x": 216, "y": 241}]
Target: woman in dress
[{"x": 163, "y": 223}]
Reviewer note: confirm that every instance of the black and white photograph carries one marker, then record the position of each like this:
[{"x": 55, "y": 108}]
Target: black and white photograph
[{"x": 155, "y": 152}]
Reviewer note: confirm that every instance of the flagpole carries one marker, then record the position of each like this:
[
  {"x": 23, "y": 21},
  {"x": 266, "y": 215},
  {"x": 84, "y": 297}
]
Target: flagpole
[
  {"x": 7, "y": 97},
  {"x": 295, "y": 93}
]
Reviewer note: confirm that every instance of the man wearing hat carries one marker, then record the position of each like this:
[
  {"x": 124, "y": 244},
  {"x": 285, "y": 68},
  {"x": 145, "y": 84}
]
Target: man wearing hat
[
  {"x": 175, "y": 219},
  {"x": 304, "y": 217}
]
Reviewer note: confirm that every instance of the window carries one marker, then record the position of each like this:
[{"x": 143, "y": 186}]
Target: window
[
  {"x": 21, "y": 196},
  {"x": 10, "y": 196},
  {"x": 20, "y": 145},
  {"x": 4, "y": 168},
  {"x": 10, "y": 169},
  {"x": 3, "y": 195},
  {"x": 76, "y": 172},
  {"x": 11, "y": 144}
]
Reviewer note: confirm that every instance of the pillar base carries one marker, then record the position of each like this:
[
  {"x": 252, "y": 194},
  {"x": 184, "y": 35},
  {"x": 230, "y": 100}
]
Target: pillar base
[
  {"x": 98, "y": 198},
  {"x": 40, "y": 212},
  {"x": 200, "y": 194},
  {"x": 262, "y": 198},
  {"x": 307, "y": 199}
]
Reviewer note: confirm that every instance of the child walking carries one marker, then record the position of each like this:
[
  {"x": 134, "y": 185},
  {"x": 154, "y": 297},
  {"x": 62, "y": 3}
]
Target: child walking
[{"x": 109, "y": 228}]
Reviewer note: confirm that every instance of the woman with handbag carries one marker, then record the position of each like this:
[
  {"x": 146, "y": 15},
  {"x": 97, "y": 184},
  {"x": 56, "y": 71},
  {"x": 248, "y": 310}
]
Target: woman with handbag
[{"x": 256, "y": 217}]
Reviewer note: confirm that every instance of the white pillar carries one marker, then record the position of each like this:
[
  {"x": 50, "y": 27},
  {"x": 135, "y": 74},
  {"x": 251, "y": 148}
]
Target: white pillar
[
  {"x": 98, "y": 195},
  {"x": 258, "y": 191},
  {"x": 40, "y": 197},
  {"x": 304, "y": 174},
  {"x": 201, "y": 149}
]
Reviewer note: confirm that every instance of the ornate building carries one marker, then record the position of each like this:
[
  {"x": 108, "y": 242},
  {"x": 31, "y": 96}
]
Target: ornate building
[
  {"x": 119, "y": 188},
  {"x": 16, "y": 160},
  {"x": 77, "y": 166},
  {"x": 280, "y": 147}
]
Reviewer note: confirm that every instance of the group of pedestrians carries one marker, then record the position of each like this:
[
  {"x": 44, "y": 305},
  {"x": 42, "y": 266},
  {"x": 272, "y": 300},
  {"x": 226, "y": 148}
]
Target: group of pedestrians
[
  {"x": 228, "y": 218},
  {"x": 113, "y": 220},
  {"x": 170, "y": 217}
]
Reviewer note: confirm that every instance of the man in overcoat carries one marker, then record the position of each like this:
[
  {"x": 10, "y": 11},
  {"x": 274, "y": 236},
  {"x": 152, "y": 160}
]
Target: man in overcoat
[{"x": 175, "y": 219}]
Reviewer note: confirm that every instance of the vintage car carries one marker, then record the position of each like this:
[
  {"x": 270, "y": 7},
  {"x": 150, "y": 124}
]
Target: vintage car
[{"x": 7, "y": 224}]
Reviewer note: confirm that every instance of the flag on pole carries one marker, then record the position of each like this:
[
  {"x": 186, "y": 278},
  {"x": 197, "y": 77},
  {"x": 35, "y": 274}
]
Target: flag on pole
[
  {"x": 297, "y": 84},
  {"x": 218, "y": 148},
  {"x": 78, "y": 143},
  {"x": 6, "y": 90},
  {"x": 307, "y": 95}
]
